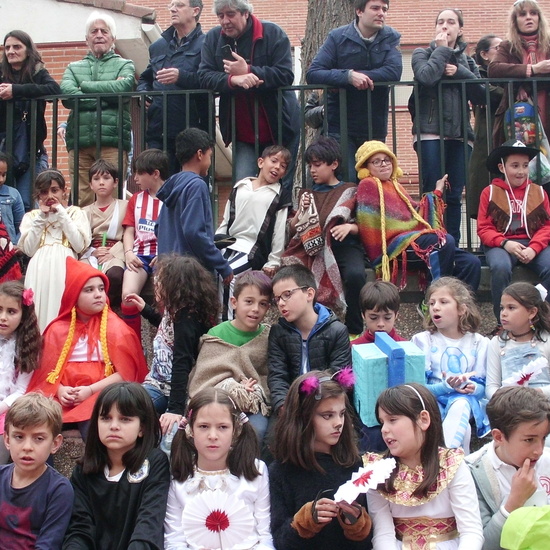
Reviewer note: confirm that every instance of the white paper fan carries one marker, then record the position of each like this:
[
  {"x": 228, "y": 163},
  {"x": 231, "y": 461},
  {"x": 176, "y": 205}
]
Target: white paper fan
[
  {"x": 365, "y": 479},
  {"x": 216, "y": 520},
  {"x": 527, "y": 373}
]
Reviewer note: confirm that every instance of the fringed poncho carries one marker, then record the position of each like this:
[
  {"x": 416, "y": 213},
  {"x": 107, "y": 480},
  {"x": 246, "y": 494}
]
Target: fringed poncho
[{"x": 390, "y": 221}]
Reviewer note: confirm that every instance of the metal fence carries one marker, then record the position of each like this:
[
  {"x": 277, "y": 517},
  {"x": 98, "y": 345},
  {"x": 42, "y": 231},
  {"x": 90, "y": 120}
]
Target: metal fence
[{"x": 400, "y": 136}]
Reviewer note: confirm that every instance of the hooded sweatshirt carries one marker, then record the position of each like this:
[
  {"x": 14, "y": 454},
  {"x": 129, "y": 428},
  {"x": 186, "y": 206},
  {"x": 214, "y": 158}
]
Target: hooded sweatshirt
[
  {"x": 185, "y": 221},
  {"x": 521, "y": 213}
]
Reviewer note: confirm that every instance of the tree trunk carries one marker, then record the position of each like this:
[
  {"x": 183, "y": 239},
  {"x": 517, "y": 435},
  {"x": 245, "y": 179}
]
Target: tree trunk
[{"x": 322, "y": 17}]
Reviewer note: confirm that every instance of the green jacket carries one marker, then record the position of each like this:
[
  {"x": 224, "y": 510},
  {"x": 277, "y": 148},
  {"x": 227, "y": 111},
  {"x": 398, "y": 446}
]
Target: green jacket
[{"x": 109, "y": 74}]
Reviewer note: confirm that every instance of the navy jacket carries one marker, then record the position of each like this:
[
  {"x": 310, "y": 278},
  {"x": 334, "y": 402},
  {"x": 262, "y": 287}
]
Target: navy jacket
[
  {"x": 328, "y": 347},
  {"x": 164, "y": 54},
  {"x": 428, "y": 65},
  {"x": 185, "y": 221},
  {"x": 380, "y": 60},
  {"x": 270, "y": 60}
]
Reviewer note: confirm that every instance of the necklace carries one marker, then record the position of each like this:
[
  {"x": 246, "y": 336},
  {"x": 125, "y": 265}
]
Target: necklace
[{"x": 516, "y": 336}]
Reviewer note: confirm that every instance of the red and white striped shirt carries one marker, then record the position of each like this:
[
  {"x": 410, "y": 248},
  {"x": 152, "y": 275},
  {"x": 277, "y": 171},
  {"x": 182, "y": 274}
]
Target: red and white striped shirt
[{"x": 142, "y": 213}]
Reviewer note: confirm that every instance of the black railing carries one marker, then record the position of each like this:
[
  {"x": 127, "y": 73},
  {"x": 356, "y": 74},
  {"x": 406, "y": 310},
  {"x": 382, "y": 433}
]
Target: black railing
[{"x": 399, "y": 130}]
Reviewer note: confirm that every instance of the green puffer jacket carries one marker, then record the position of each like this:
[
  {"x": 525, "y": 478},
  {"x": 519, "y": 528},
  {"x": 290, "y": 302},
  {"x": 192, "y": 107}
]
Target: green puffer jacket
[{"x": 109, "y": 74}]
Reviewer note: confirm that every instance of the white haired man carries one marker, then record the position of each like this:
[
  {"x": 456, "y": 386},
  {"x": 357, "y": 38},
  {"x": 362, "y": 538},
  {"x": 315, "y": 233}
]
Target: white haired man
[{"x": 101, "y": 71}]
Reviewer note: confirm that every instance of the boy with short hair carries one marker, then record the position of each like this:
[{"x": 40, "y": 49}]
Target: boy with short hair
[
  {"x": 35, "y": 500},
  {"x": 513, "y": 221},
  {"x": 339, "y": 267},
  {"x": 308, "y": 335},
  {"x": 513, "y": 470},
  {"x": 185, "y": 224},
  {"x": 140, "y": 240},
  {"x": 105, "y": 215},
  {"x": 256, "y": 217},
  {"x": 380, "y": 308},
  {"x": 233, "y": 355}
]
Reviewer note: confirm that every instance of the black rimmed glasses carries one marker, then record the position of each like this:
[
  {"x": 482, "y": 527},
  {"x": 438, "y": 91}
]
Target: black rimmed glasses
[{"x": 287, "y": 294}]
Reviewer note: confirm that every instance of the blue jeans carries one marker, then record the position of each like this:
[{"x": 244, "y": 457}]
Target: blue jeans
[
  {"x": 160, "y": 401},
  {"x": 25, "y": 185},
  {"x": 501, "y": 264},
  {"x": 455, "y": 166},
  {"x": 259, "y": 423},
  {"x": 452, "y": 261}
]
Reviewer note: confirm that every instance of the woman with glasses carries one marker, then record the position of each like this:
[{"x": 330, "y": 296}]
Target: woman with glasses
[
  {"x": 479, "y": 178},
  {"x": 526, "y": 55},
  {"x": 23, "y": 76},
  {"x": 392, "y": 226},
  {"x": 440, "y": 113}
]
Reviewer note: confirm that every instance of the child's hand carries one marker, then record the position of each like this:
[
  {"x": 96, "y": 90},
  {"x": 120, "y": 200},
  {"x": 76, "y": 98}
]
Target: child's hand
[
  {"x": 81, "y": 393},
  {"x": 340, "y": 232},
  {"x": 133, "y": 263},
  {"x": 527, "y": 255},
  {"x": 136, "y": 300},
  {"x": 325, "y": 510},
  {"x": 65, "y": 395},
  {"x": 167, "y": 420},
  {"x": 353, "y": 509},
  {"x": 524, "y": 484},
  {"x": 442, "y": 183},
  {"x": 269, "y": 271},
  {"x": 305, "y": 201},
  {"x": 249, "y": 384}
]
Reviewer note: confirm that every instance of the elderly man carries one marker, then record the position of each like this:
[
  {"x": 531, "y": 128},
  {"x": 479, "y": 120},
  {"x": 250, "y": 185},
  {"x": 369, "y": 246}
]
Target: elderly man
[
  {"x": 101, "y": 71},
  {"x": 247, "y": 60},
  {"x": 357, "y": 57},
  {"x": 173, "y": 64}
]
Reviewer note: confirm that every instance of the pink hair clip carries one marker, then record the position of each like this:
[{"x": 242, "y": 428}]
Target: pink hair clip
[
  {"x": 309, "y": 385},
  {"x": 28, "y": 297},
  {"x": 345, "y": 377},
  {"x": 184, "y": 422}
]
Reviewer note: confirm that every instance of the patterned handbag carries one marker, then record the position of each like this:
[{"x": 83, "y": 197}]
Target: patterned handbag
[{"x": 309, "y": 229}]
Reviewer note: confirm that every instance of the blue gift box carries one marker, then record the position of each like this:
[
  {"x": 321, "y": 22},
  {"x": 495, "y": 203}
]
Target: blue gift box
[{"x": 381, "y": 365}]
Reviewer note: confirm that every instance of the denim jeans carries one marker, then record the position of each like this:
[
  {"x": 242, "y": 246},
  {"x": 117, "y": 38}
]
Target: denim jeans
[
  {"x": 160, "y": 401},
  {"x": 353, "y": 144},
  {"x": 455, "y": 167},
  {"x": 501, "y": 264},
  {"x": 24, "y": 183}
]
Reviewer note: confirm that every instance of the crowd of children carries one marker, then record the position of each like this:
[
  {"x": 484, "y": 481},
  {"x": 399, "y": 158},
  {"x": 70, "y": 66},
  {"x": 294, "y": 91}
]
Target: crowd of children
[{"x": 219, "y": 396}]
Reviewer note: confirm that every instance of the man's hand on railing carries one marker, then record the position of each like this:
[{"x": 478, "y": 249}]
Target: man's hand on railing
[
  {"x": 361, "y": 81},
  {"x": 246, "y": 81}
]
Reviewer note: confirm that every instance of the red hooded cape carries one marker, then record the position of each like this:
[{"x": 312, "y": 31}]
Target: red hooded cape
[{"x": 124, "y": 347}]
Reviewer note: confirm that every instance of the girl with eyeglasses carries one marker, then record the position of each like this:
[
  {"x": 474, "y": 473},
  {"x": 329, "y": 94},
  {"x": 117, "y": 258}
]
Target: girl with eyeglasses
[
  {"x": 526, "y": 55},
  {"x": 392, "y": 226},
  {"x": 435, "y": 96}
]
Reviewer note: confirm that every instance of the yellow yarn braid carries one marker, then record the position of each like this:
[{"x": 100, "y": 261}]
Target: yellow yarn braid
[
  {"x": 109, "y": 369},
  {"x": 54, "y": 374},
  {"x": 385, "y": 265}
]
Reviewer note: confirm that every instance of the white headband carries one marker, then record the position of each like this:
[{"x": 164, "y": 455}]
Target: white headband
[{"x": 419, "y": 396}]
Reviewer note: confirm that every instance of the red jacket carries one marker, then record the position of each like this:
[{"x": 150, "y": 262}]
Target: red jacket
[{"x": 516, "y": 230}]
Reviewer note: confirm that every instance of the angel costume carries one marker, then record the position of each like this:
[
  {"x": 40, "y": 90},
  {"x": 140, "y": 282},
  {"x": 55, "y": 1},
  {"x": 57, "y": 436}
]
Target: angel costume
[
  {"x": 106, "y": 222},
  {"x": 253, "y": 494},
  {"x": 447, "y": 519},
  {"x": 49, "y": 239}
]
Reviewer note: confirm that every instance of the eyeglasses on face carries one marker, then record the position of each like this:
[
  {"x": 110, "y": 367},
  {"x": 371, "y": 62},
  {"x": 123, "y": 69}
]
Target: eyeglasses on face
[
  {"x": 287, "y": 294},
  {"x": 380, "y": 162},
  {"x": 177, "y": 5}
]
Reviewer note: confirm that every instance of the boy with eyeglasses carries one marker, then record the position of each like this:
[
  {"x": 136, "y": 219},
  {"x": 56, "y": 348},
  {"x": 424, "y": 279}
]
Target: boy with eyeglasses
[
  {"x": 392, "y": 226},
  {"x": 307, "y": 337}
]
